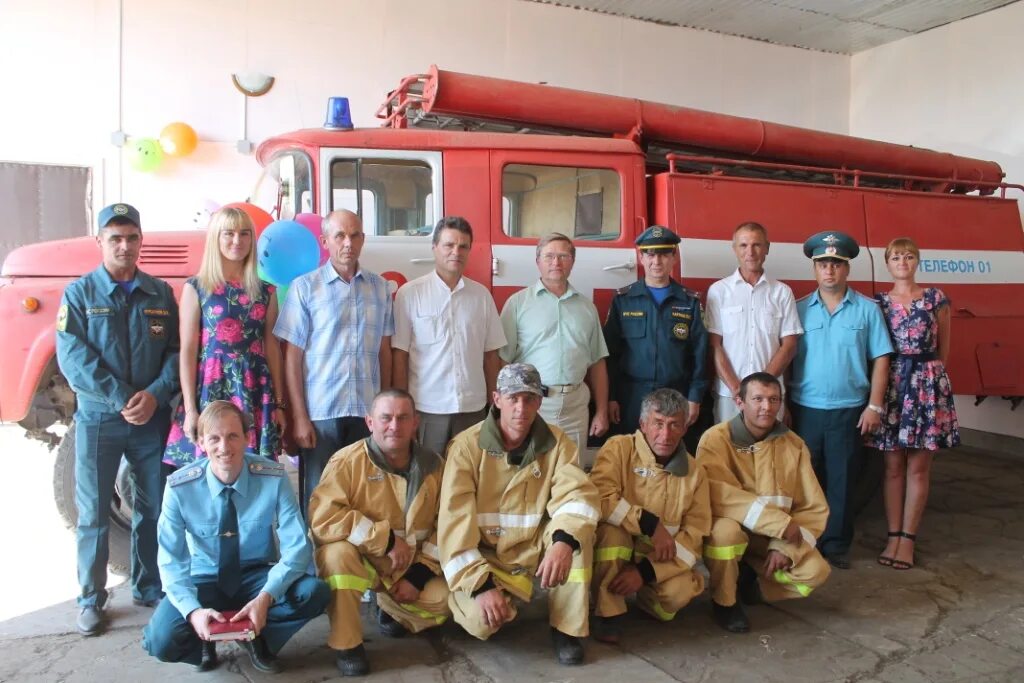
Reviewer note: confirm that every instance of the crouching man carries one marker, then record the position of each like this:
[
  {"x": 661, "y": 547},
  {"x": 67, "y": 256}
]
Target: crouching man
[
  {"x": 373, "y": 518},
  {"x": 517, "y": 505},
  {"x": 217, "y": 551},
  {"x": 768, "y": 509},
  {"x": 655, "y": 513}
]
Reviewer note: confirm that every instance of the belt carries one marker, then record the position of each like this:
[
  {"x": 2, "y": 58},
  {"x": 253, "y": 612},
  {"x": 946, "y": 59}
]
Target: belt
[
  {"x": 557, "y": 389},
  {"x": 908, "y": 363}
]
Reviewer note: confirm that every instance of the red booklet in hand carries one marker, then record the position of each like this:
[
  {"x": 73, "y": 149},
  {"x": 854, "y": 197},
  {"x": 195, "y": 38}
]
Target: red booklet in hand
[{"x": 232, "y": 630}]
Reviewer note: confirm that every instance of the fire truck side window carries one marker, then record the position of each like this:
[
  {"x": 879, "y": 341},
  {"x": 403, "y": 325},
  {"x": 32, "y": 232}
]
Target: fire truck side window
[
  {"x": 394, "y": 197},
  {"x": 284, "y": 189},
  {"x": 581, "y": 202}
]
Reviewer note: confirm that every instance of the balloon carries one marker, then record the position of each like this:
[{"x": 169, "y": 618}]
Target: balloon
[
  {"x": 260, "y": 218},
  {"x": 178, "y": 139},
  {"x": 314, "y": 224},
  {"x": 286, "y": 250},
  {"x": 282, "y": 294},
  {"x": 144, "y": 154}
]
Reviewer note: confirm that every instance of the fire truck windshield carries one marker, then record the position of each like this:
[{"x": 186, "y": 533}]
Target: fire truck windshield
[{"x": 284, "y": 189}]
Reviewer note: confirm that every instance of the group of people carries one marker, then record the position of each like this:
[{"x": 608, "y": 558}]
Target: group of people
[{"x": 397, "y": 402}]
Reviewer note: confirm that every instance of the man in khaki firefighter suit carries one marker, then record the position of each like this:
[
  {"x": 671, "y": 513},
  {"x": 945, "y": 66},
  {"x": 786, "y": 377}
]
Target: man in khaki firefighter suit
[
  {"x": 655, "y": 513},
  {"x": 374, "y": 517},
  {"x": 767, "y": 505},
  {"x": 517, "y": 504}
]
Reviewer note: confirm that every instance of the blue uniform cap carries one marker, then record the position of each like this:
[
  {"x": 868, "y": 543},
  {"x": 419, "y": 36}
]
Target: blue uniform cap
[
  {"x": 657, "y": 237},
  {"x": 119, "y": 210},
  {"x": 831, "y": 244}
]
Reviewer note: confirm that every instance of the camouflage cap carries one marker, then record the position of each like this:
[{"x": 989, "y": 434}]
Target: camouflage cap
[{"x": 518, "y": 378}]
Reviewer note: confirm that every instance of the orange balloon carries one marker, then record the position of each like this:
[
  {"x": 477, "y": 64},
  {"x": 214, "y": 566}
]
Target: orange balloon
[
  {"x": 178, "y": 139},
  {"x": 260, "y": 218}
]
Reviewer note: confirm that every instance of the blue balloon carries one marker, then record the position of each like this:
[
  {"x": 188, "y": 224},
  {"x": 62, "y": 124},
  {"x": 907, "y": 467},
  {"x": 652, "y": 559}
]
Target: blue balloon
[{"x": 286, "y": 250}]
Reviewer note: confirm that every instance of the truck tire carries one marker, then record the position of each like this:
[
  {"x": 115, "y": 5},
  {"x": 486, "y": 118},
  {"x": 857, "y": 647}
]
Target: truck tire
[{"x": 120, "y": 508}]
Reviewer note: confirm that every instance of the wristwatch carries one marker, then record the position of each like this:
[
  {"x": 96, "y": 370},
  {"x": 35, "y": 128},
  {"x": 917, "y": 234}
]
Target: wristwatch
[{"x": 877, "y": 409}]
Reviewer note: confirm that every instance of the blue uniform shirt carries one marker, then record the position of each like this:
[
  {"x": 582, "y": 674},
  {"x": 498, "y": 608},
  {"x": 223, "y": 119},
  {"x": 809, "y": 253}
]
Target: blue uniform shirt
[
  {"x": 189, "y": 526},
  {"x": 111, "y": 345},
  {"x": 832, "y": 364}
]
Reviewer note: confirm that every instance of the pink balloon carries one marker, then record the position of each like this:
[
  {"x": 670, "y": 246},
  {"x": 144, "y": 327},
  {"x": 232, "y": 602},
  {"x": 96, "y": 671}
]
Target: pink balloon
[{"x": 313, "y": 222}]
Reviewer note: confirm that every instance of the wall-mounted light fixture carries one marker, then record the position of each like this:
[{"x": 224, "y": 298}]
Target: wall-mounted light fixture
[{"x": 250, "y": 84}]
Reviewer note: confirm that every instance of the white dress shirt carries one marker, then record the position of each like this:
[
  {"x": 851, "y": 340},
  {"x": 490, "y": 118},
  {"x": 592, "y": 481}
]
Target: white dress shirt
[
  {"x": 446, "y": 334},
  {"x": 752, "y": 320}
]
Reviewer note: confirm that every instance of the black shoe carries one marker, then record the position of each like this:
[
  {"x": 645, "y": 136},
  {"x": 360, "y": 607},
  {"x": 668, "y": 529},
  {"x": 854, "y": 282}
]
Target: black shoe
[
  {"x": 733, "y": 619},
  {"x": 388, "y": 626},
  {"x": 568, "y": 648},
  {"x": 839, "y": 560},
  {"x": 139, "y": 602},
  {"x": 260, "y": 656},
  {"x": 747, "y": 587},
  {"x": 352, "y": 662},
  {"x": 209, "y": 661},
  {"x": 608, "y": 629}
]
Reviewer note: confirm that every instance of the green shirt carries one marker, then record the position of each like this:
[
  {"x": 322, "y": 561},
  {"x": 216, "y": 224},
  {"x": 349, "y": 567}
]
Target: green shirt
[{"x": 560, "y": 336}]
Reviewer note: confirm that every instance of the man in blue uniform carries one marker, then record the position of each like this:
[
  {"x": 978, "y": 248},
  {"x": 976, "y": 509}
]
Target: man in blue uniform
[
  {"x": 840, "y": 374},
  {"x": 218, "y": 551},
  {"x": 117, "y": 345},
  {"x": 655, "y": 335}
]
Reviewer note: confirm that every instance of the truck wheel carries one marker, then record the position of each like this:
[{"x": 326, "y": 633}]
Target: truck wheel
[{"x": 120, "y": 508}]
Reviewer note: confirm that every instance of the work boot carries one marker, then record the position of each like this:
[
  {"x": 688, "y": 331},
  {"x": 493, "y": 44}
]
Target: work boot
[
  {"x": 209, "y": 661},
  {"x": 143, "y": 602},
  {"x": 732, "y": 618},
  {"x": 90, "y": 621},
  {"x": 388, "y": 625},
  {"x": 608, "y": 629},
  {"x": 568, "y": 648},
  {"x": 352, "y": 662},
  {"x": 839, "y": 560},
  {"x": 260, "y": 656},
  {"x": 748, "y": 588}
]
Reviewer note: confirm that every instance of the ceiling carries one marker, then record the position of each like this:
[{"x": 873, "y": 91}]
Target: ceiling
[{"x": 841, "y": 26}]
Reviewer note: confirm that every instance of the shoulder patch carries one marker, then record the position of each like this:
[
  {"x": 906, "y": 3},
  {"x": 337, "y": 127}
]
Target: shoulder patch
[
  {"x": 267, "y": 468},
  {"x": 62, "y": 318},
  {"x": 184, "y": 476}
]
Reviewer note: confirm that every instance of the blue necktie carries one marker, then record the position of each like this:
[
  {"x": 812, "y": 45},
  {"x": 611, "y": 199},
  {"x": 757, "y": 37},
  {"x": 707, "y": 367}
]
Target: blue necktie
[{"x": 229, "y": 568}]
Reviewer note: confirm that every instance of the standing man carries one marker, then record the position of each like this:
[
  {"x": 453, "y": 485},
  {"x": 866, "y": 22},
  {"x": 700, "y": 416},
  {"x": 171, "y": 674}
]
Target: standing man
[
  {"x": 840, "y": 375},
  {"x": 117, "y": 345},
  {"x": 752, "y": 320},
  {"x": 554, "y": 328},
  {"x": 231, "y": 538},
  {"x": 767, "y": 505},
  {"x": 655, "y": 335},
  {"x": 517, "y": 505},
  {"x": 374, "y": 521},
  {"x": 655, "y": 514},
  {"x": 338, "y": 323},
  {"x": 447, "y": 336}
]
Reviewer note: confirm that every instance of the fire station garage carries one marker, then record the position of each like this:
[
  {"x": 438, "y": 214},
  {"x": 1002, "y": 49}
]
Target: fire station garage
[{"x": 858, "y": 122}]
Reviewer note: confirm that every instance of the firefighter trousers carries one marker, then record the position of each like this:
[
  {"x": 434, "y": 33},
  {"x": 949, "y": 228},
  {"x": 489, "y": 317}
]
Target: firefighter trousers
[
  {"x": 568, "y": 604},
  {"x": 729, "y": 543},
  {"x": 349, "y": 574},
  {"x": 675, "y": 584}
]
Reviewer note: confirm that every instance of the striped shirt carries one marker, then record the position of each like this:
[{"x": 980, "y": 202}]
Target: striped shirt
[{"x": 340, "y": 326}]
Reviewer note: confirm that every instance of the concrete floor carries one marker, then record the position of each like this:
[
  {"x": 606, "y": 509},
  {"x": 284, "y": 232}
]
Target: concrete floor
[{"x": 959, "y": 616}]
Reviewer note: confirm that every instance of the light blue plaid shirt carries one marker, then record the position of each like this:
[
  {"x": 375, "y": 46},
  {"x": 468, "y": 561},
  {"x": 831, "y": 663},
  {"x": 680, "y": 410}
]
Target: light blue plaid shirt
[{"x": 340, "y": 326}]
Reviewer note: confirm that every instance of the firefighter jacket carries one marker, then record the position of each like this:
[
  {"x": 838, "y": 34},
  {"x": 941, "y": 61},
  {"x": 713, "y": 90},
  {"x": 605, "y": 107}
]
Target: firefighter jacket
[
  {"x": 764, "y": 484},
  {"x": 497, "y": 516},
  {"x": 631, "y": 482},
  {"x": 362, "y": 500}
]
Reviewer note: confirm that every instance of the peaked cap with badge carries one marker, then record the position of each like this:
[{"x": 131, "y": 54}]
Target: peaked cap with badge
[
  {"x": 657, "y": 238},
  {"x": 831, "y": 244},
  {"x": 119, "y": 210}
]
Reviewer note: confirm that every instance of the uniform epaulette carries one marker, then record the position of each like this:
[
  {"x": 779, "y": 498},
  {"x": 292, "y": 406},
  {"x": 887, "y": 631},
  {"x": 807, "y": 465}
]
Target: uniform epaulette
[
  {"x": 693, "y": 293},
  {"x": 267, "y": 468},
  {"x": 185, "y": 475},
  {"x": 623, "y": 290}
]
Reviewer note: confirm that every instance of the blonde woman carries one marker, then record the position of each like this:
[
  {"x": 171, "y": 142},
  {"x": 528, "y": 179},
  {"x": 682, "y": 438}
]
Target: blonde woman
[
  {"x": 919, "y": 414},
  {"x": 228, "y": 351}
]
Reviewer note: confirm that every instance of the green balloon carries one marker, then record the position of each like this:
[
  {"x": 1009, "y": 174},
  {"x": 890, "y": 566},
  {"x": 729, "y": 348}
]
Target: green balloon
[{"x": 145, "y": 155}]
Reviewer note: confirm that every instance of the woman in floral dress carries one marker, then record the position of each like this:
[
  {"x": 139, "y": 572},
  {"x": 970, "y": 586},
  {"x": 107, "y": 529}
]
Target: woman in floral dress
[
  {"x": 920, "y": 417},
  {"x": 228, "y": 350}
]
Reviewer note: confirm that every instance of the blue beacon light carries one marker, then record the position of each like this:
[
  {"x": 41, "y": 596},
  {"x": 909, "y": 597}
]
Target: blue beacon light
[{"x": 339, "y": 116}]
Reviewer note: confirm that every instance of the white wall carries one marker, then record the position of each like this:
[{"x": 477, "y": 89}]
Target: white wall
[
  {"x": 59, "y": 66},
  {"x": 954, "y": 89}
]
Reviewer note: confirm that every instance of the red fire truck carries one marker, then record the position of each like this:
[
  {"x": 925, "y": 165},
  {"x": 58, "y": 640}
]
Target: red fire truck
[{"x": 519, "y": 160}]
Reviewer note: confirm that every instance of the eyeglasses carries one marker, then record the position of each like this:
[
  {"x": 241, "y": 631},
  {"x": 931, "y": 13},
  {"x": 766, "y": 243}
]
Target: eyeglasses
[{"x": 551, "y": 258}]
